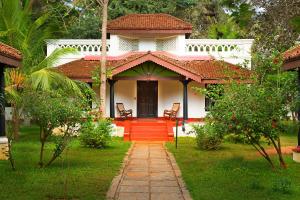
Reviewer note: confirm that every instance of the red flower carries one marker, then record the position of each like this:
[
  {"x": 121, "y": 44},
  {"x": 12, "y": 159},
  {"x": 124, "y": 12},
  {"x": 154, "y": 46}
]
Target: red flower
[{"x": 297, "y": 149}]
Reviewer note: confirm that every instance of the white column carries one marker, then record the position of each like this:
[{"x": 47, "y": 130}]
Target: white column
[
  {"x": 114, "y": 45},
  {"x": 180, "y": 45}
]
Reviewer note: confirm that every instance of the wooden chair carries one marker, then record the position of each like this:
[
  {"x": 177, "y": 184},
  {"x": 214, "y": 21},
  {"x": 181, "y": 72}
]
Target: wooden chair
[
  {"x": 123, "y": 113},
  {"x": 173, "y": 112}
]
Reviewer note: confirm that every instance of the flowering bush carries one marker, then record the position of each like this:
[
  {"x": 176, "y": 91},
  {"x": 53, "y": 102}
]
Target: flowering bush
[
  {"x": 296, "y": 150},
  {"x": 253, "y": 112}
]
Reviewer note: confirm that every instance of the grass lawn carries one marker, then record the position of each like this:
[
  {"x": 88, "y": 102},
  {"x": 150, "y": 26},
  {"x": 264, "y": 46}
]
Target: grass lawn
[
  {"x": 81, "y": 173},
  {"x": 235, "y": 171}
]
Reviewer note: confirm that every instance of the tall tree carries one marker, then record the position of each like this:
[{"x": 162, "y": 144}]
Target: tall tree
[
  {"x": 275, "y": 21},
  {"x": 104, "y": 5}
]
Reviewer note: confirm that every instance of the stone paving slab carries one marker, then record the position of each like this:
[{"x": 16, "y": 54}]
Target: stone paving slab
[{"x": 149, "y": 172}]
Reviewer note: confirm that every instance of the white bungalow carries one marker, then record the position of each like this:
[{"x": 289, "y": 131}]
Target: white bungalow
[{"x": 154, "y": 64}]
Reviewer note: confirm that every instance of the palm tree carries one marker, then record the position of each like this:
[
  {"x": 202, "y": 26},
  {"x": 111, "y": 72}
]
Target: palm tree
[
  {"x": 39, "y": 77},
  {"x": 19, "y": 30}
]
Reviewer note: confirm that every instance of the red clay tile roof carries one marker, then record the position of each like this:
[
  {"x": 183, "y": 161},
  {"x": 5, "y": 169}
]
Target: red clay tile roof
[
  {"x": 292, "y": 53},
  {"x": 10, "y": 52},
  {"x": 203, "y": 69},
  {"x": 210, "y": 69},
  {"x": 162, "y": 22},
  {"x": 291, "y": 59},
  {"x": 82, "y": 69}
]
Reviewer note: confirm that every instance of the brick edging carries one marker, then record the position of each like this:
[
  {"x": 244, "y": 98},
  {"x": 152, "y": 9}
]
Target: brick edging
[
  {"x": 111, "y": 193},
  {"x": 185, "y": 193}
]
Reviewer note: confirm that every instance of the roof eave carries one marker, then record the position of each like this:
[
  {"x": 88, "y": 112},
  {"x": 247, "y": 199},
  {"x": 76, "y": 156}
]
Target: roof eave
[
  {"x": 10, "y": 61},
  {"x": 291, "y": 64}
]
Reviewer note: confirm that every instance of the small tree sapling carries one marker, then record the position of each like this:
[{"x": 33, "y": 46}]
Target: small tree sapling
[{"x": 50, "y": 110}]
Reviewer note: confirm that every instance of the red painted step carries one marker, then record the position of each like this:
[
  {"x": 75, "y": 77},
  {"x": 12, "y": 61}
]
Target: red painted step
[{"x": 149, "y": 131}]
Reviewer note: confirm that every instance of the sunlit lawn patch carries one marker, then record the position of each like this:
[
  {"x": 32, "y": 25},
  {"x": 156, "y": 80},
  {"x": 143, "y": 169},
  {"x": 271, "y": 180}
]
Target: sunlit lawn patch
[
  {"x": 81, "y": 173},
  {"x": 234, "y": 172}
]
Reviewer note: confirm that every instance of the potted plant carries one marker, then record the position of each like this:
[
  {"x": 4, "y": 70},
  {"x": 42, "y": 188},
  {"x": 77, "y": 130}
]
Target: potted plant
[{"x": 296, "y": 154}]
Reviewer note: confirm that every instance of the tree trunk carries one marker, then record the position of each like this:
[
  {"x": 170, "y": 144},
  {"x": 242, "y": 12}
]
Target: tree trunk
[
  {"x": 11, "y": 159},
  {"x": 16, "y": 122},
  {"x": 42, "y": 139},
  {"x": 293, "y": 116},
  {"x": 264, "y": 154},
  {"x": 103, "y": 60},
  {"x": 279, "y": 152},
  {"x": 62, "y": 147},
  {"x": 261, "y": 151},
  {"x": 51, "y": 160},
  {"x": 42, "y": 153}
]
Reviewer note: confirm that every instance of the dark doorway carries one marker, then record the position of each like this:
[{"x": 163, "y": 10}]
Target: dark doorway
[{"x": 147, "y": 97}]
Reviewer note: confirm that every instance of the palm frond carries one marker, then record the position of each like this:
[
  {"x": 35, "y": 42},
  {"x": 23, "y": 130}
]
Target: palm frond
[
  {"x": 53, "y": 59},
  {"x": 34, "y": 28},
  {"x": 47, "y": 79},
  {"x": 12, "y": 95}
]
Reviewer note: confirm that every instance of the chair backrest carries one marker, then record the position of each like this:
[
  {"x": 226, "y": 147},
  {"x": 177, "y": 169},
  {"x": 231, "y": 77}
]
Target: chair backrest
[
  {"x": 175, "y": 107},
  {"x": 120, "y": 107}
]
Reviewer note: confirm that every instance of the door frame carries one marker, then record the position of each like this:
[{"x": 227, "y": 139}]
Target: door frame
[{"x": 137, "y": 99}]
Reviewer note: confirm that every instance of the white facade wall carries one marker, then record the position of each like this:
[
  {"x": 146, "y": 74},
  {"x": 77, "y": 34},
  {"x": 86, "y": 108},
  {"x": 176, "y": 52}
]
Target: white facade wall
[
  {"x": 169, "y": 92},
  {"x": 147, "y": 45},
  {"x": 196, "y": 102},
  {"x": 125, "y": 92}
]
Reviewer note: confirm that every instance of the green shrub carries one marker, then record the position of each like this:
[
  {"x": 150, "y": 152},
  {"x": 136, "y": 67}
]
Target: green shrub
[
  {"x": 290, "y": 127},
  {"x": 206, "y": 137},
  {"x": 96, "y": 134},
  {"x": 237, "y": 139},
  {"x": 282, "y": 185},
  {"x": 50, "y": 110}
]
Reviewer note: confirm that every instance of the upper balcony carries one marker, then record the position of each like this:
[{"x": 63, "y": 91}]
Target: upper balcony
[{"x": 236, "y": 51}]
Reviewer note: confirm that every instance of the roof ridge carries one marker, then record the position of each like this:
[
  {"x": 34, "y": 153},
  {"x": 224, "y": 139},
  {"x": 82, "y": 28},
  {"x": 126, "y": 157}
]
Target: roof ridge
[
  {"x": 165, "y": 14},
  {"x": 149, "y": 21}
]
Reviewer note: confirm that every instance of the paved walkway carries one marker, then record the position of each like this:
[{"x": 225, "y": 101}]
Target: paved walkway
[{"x": 149, "y": 172}]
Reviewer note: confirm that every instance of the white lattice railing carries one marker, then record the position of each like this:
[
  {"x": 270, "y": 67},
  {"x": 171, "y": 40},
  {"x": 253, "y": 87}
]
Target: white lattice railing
[
  {"x": 213, "y": 46},
  {"x": 235, "y": 51},
  {"x": 84, "y": 47}
]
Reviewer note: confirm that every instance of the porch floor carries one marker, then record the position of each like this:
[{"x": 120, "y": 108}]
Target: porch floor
[{"x": 148, "y": 129}]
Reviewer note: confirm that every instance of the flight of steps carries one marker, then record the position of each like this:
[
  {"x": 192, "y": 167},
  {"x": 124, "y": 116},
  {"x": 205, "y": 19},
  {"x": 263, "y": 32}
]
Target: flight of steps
[{"x": 149, "y": 131}]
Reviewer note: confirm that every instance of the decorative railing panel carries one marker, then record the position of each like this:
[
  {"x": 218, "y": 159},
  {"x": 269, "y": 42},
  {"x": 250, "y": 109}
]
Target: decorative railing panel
[
  {"x": 236, "y": 51},
  {"x": 84, "y": 47},
  {"x": 168, "y": 44},
  {"x": 213, "y": 46},
  {"x": 126, "y": 44}
]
